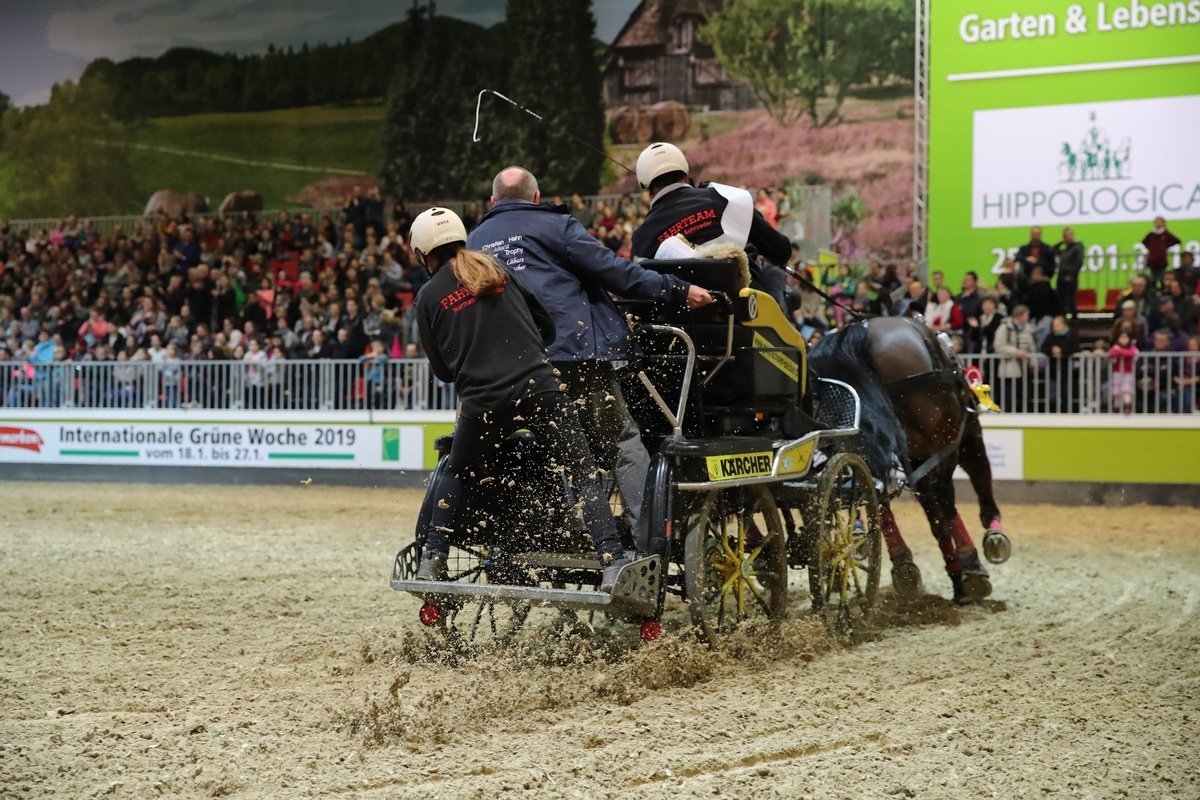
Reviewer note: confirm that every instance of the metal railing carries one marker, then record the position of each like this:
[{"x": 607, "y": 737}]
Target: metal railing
[
  {"x": 275, "y": 385},
  {"x": 1159, "y": 383}
]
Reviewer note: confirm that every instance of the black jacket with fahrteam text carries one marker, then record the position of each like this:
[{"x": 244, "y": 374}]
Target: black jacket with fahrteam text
[
  {"x": 492, "y": 347},
  {"x": 706, "y": 213}
]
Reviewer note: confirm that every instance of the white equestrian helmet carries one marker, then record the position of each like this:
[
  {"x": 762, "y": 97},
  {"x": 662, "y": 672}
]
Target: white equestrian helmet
[
  {"x": 435, "y": 227},
  {"x": 658, "y": 159}
]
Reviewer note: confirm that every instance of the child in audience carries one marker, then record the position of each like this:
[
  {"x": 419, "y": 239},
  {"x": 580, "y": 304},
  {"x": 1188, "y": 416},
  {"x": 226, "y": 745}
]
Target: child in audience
[{"x": 1123, "y": 354}]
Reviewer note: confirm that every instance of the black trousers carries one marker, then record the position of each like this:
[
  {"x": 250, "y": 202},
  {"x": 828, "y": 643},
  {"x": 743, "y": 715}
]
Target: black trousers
[{"x": 552, "y": 419}]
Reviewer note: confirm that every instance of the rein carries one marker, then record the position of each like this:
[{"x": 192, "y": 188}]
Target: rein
[{"x": 821, "y": 293}]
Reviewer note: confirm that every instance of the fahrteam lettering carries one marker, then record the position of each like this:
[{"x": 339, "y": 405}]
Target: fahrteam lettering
[{"x": 689, "y": 224}]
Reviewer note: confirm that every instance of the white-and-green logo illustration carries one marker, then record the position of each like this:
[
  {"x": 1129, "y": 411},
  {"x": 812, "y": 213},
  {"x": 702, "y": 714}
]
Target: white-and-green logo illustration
[{"x": 1096, "y": 158}]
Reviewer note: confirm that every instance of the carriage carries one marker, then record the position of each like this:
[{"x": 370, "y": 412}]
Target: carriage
[{"x": 740, "y": 500}]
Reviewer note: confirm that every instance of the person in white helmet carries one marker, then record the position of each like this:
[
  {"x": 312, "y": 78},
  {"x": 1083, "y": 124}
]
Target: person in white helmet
[
  {"x": 484, "y": 331},
  {"x": 710, "y": 212}
]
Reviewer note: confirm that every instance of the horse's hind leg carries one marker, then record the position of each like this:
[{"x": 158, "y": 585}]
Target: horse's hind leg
[
  {"x": 976, "y": 584},
  {"x": 906, "y": 575},
  {"x": 972, "y": 454}
]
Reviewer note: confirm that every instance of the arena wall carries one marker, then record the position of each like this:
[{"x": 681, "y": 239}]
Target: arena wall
[{"x": 1070, "y": 459}]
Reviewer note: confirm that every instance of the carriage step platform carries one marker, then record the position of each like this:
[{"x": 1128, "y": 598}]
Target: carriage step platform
[{"x": 634, "y": 596}]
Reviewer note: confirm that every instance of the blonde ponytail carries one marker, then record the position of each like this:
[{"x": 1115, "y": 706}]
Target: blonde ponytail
[{"x": 478, "y": 272}]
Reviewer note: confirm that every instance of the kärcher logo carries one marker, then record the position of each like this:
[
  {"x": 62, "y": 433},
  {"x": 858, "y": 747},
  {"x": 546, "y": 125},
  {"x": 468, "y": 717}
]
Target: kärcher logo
[{"x": 1096, "y": 158}]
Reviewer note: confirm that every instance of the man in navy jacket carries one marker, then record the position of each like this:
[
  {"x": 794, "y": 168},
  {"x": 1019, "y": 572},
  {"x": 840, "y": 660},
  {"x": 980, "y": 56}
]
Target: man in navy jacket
[{"x": 573, "y": 275}]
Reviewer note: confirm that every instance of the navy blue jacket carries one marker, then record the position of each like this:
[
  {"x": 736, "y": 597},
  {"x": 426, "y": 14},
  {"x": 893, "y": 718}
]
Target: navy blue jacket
[{"x": 571, "y": 274}]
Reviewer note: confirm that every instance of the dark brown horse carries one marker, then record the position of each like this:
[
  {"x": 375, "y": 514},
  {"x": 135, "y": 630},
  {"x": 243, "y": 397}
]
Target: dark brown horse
[{"x": 918, "y": 416}]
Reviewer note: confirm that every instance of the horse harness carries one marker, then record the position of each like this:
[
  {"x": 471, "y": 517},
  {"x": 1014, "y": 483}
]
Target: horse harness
[{"x": 932, "y": 379}]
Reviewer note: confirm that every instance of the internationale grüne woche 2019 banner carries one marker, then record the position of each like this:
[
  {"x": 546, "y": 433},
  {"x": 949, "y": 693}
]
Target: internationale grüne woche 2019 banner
[
  {"x": 1061, "y": 114},
  {"x": 103, "y": 439}
]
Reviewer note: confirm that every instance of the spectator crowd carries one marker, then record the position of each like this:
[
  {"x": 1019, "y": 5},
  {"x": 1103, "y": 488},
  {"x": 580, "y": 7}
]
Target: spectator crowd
[
  {"x": 193, "y": 294},
  {"x": 1026, "y": 327}
]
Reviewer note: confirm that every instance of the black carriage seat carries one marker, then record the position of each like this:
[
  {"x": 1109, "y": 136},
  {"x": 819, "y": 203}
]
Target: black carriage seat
[{"x": 768, "y": 371}]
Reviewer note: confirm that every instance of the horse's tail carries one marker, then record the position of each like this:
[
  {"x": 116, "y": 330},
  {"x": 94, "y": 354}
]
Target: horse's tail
[{"x": 845, "y": 355}]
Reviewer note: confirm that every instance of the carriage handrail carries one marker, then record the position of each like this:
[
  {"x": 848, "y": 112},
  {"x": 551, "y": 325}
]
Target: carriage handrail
[
  {"x": 675, "y": 419},
  {"x": 723, "y": 298}
]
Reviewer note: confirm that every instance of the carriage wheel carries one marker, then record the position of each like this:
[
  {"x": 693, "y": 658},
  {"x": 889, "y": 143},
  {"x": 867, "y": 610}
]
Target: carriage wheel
[
  {"x": 480, "y": 622},
  {"x": 735, "y": 561},
  {"x": 846, "y": 543}
]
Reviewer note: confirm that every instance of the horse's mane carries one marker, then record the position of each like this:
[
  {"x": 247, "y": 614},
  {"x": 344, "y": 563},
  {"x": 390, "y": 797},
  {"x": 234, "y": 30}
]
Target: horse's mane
[{"x": 845, "y": 355}]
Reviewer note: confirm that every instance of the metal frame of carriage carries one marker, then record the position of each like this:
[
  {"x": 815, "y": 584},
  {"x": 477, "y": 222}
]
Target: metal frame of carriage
[{"x": 719, "y": 526}]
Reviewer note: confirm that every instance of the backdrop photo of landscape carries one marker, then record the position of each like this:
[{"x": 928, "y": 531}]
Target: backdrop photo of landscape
[{"x": 106, "y": 103}]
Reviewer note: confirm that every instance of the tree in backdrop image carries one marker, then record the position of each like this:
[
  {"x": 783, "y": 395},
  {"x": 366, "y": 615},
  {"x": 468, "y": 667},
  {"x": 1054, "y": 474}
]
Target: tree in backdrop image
[
  {"x": 801, "y": 57},
  {"x": 5, "y": 104},
  {"x": 427, "y": 147},
  {"x": 68, "y": 155},
  {"x": 189, "y": 80},
  {"x": 553, "y": 69}
]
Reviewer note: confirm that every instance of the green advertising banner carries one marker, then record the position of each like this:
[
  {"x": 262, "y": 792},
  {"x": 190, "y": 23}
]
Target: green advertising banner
[{"x": 1062, "y": 114}]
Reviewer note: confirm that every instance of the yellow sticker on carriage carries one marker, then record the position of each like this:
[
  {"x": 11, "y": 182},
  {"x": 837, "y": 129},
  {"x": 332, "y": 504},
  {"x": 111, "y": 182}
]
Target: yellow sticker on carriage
[
  {"x": 777, "y": 358},
  {"x": 797, "y": 460},
  {"x": 742, "y": 465}
]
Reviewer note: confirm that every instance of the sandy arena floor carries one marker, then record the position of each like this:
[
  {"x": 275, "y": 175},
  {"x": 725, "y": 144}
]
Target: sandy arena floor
[{"x": 209, "y": 641}]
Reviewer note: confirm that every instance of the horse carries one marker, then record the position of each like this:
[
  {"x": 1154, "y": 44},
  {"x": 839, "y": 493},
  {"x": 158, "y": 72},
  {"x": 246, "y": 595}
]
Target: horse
[{"x": 918, "y": 414}]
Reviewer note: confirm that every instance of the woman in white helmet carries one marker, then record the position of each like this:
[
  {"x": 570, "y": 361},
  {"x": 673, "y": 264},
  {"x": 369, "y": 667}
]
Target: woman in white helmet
[{"x": 482, "y": 330}]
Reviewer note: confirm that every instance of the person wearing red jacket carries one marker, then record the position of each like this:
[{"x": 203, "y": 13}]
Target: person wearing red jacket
[
  {"x": 944, "y": 315},
  {"x": 1157, "y": 242}
]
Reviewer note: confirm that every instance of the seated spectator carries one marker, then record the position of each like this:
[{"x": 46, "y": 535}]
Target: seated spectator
[
  {"x": 1156, "y": 371},
  {"x": 913, "y": 303},
  {"x": 764, "y": 205},
  {"x": 970, "y": 299},
  {"x": 1005, "y": 289},
  {"x": 866, "y": 301},
  {"x": 1060, "y": 344},
  {"x": 1174, "y": 328},
  {"x": 1041, "y": 299},
  {"x": 1186, "y": 274},
  {"x": 980, "y": 332},
  {"x": 1141, "y": 295},
  {"x": 1185, "y": 306},
  {"x": 1127, "y": 320},
  {"x": 1183, "y": 395},
  {"x": 943, "y": 315}
]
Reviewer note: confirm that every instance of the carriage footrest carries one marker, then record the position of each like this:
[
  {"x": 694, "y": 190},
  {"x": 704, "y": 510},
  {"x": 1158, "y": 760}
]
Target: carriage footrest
[{"x": 633, "y": 597}]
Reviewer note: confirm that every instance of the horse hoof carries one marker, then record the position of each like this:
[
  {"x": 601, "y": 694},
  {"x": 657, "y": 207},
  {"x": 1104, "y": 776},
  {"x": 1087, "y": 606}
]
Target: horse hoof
[
  {"x": 996, "y": 547},
  {"x": 906, "y": 579},
  {"x": 976, "y": 585}
]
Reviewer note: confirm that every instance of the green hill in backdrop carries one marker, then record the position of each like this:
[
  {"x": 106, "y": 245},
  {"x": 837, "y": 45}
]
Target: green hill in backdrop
[{"x": 276, "y": 153}]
